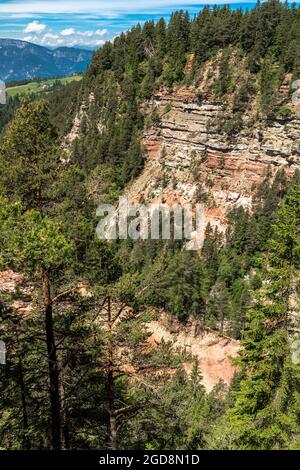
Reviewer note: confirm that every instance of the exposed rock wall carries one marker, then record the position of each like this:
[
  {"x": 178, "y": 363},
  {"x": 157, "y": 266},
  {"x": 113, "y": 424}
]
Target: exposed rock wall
[
  {"x": 188, "y": 159},
  {"x": 212, "y": 350},
  {"x": 74, "y": 133},
  {"x": 12, "y": 285}
]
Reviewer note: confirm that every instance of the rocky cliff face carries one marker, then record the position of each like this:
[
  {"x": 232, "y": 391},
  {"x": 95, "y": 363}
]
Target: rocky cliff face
[
  {"x": 190, "y": 159},
  {"x": 14, "y": 288},
  {"x": 212, "y": 350}
]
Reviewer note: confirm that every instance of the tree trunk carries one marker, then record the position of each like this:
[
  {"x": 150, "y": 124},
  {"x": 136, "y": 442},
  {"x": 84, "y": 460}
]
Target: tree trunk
[
  {"x": 63, "y": 414},
  {"x": 26, "y": 440},
  {"x": 113, "y": 431},
  {"x": 53, "y": 366},
  {"x": 110, "y": 385},
  {"x": 222, "y": 322}
]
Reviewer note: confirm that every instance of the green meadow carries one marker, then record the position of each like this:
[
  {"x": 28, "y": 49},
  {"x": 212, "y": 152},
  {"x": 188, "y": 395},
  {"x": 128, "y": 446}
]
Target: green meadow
[{"x": 40, "y": 87}]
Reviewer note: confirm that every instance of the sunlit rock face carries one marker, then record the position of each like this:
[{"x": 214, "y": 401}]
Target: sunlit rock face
[
  {"x": 212, "y": 350},
  {"x": 13, "y": 284},
  {"x": 190, "y": 160}
]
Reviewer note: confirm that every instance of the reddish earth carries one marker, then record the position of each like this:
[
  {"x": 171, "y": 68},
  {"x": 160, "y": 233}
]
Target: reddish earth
[{"x": 213, "y": 351}]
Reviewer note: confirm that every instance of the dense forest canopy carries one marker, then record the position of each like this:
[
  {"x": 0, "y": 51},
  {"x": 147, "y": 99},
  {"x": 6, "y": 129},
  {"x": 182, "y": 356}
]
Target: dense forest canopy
[
  {"x": 67, "y": 383},
  {"x": 125, "y": 73}
]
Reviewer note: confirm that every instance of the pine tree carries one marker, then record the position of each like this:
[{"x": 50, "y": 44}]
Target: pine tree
[
  {"x": 266, "y": 410},
  {"x": 28, "y": 156},
  {"x": 32, "y": 244}
]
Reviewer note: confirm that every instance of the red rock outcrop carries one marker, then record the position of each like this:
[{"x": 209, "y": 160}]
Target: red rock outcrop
[
  {"x": 227, "y": 169},
  {"x": 212, "y": 350}
]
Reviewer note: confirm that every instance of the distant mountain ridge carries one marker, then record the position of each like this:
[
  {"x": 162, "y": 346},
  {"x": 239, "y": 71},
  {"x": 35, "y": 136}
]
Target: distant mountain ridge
[{"x": 21, "y": 60}]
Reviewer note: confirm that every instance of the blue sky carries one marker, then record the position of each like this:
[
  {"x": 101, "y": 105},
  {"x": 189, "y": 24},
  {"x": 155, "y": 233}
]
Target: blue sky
[{"x": 85, "y": 23}]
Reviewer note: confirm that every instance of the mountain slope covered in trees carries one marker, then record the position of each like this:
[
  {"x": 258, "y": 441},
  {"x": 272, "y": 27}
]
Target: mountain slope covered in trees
[
  {"x": 20, "y": 60},
  {"x": 82, "y": 373}
]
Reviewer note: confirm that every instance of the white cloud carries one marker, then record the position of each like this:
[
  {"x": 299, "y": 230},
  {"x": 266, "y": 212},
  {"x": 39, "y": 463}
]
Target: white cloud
[
  {"x": 51, "y": 40},
  {"x": 68, "y": 37},
  {"x": 84, "y": 34},
  {"x": 54, "y": 40},
  {"x": 35, "y": 27},
  {"x": 50, "y": 36},
  {"x": 101, "y": 32},
  {"x": 87, "y": 34},
  {"x": 68, "y": 32}
]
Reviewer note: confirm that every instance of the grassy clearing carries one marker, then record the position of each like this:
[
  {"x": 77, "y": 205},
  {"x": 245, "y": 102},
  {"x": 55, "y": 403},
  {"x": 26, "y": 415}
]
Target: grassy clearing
[{"x": 43, "y": 86}]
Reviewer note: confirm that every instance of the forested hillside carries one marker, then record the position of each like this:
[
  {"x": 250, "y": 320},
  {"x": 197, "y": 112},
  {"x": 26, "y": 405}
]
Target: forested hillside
[
  {"x": 83, "y": 371},
  {"x": 21, "y": 60}
]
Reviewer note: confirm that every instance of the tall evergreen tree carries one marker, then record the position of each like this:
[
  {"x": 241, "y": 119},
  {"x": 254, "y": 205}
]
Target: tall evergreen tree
[{"x": 265, "y": 414}]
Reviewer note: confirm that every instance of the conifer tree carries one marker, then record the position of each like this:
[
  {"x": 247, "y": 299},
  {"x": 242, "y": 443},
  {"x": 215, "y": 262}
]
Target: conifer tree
[{"x": 265, "y": 414}]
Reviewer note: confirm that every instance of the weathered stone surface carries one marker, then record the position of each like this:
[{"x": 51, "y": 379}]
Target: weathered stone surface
[
  {"x": 229, "y": 170},
  {"x": 12, "y": 284},
  {"x": 212, "y": 350}
]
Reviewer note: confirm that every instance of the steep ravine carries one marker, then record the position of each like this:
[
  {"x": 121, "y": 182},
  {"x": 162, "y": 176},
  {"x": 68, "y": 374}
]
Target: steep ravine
[
  {"x": 188, "y": 159},
  {"x": 212, "y": 350}
]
